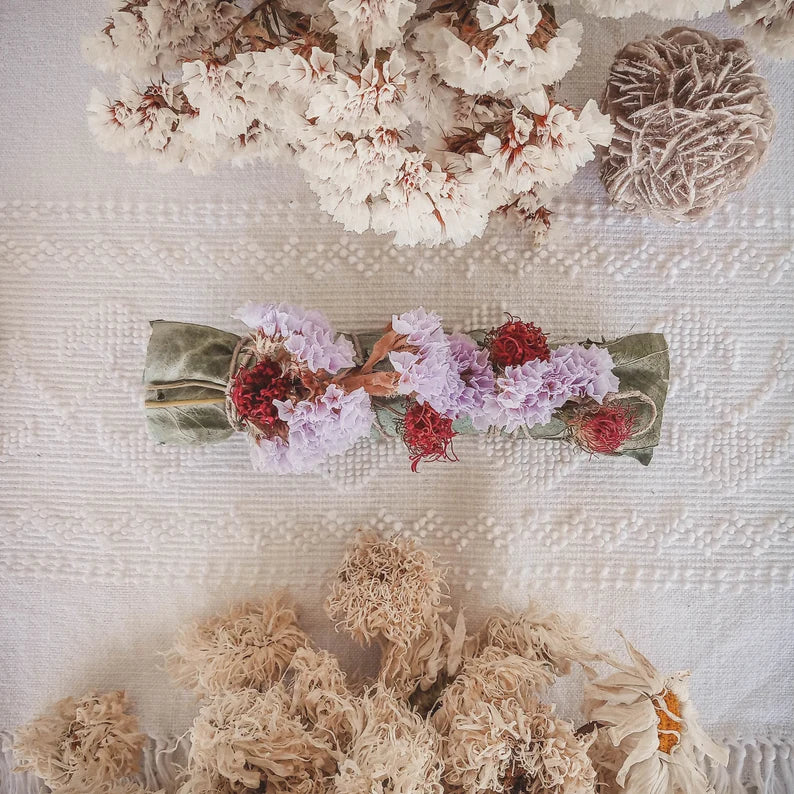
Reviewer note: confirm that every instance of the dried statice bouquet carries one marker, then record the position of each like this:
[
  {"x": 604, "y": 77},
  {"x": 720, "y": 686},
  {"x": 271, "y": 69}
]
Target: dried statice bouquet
[
  {"x": 693, "y": 123},
  {"x": 449, "y": 712},
  {"x": 769, "y": 23},
  {"x": 419, "y": 119}
]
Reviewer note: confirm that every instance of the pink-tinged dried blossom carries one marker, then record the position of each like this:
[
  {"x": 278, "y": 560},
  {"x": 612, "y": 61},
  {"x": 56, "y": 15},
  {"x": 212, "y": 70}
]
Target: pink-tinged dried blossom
[{"x": 306, "y": 335}]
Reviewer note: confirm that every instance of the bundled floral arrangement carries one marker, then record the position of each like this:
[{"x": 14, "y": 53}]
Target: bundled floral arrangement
[
  {"x": 449, "y": 711},
  {"x": 301, "y": 393},
  {"x": 770, "y": 23},
  {"x": 418, "y": 118}
]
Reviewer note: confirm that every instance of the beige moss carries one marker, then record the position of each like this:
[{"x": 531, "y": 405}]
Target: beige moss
[
  {"x": 88, "y": 740},
  {"x": 248, "y": 647},
  {"x": 392, "y": 750},
  {"x": 251, "y": 738}
]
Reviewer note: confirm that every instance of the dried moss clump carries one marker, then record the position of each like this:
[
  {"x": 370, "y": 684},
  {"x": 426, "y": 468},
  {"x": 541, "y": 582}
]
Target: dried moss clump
[
  {"x": 249, "y": 647},
  {"x": 448, "y": 713},
  {"x": 90, "y": 740}
]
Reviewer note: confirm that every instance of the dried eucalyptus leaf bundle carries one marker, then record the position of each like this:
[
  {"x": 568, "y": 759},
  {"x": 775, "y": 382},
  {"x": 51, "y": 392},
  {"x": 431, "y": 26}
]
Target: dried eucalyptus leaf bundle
[
  {"x": 450, "y": 712},
  {"x": 693, "y": 124}
]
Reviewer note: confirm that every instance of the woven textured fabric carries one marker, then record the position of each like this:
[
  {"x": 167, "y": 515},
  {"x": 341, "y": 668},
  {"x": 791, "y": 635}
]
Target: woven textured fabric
[{"x": 109, "y": 542}]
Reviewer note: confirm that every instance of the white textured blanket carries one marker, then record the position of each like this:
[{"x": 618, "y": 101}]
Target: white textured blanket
[{"x": 109, "y": 542}]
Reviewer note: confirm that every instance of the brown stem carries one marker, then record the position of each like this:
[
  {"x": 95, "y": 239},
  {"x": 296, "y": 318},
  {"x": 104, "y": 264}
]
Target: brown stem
[
  {"x": 181, "y": 384},
  {"x": 178, "y": 403},
  {"x": 249, "y": 16}
]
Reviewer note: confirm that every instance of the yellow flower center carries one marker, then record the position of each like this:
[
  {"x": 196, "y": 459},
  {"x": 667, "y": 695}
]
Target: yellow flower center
[{"x": 666, "y": 704}]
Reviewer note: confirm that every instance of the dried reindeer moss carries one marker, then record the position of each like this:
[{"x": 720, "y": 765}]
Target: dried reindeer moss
[
  {"x": 249, "y": 647},
  {"x": 89, "y": 740},
  {"x": 251, "y": 738},
  {"x": 449, "y": 712},
  {"x": 553, "y": 638}
]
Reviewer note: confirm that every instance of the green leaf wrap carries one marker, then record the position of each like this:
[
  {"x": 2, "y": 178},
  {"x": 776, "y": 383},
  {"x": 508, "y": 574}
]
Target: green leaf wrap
[
  {"x": 200, "y": 356},
  {"x": 180, "y": 352}
]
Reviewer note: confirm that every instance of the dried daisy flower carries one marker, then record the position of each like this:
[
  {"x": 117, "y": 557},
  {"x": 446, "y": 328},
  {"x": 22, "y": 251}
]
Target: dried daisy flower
[
  {"x": 249, "y": 647},
  {"x": 392, "y": 592},
  {"x": 553, "y": 638},
  {"x": 693, "y": 124},
  {"x": 392, "y": 750},
  {"x": 652, "y": 728},
  {"x": 91, "y": 739},
  {"x": 251, "y": 739}
]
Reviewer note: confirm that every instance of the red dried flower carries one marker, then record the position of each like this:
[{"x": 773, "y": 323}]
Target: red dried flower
[
  {"x": 606, "y": 430},
  {"x": 514, "y": 343},
  {"x": 254, "y": 391},
  {"x": 427, "y": 434}
]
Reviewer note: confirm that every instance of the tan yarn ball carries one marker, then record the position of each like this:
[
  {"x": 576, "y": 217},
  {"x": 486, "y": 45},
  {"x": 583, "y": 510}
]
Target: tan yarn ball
[{"x": 693, "y": 123}]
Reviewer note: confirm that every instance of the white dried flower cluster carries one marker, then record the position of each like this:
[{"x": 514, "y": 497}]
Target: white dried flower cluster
[
  {"x": 768, "y": 23},
  {"x": 464, "y": 714},
  {"x": 413, "y": 119}
]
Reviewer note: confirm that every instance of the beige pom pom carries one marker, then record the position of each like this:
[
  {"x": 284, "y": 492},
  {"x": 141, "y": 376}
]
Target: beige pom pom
[
  {"x": 498, "y": 737},
  {"x": 693, "y": 124},
  {"x": 553, "y": 638},
  {"x": 392, "y": 750},
  {"x": 393, "y": 592},
  {"x": 250, "y": 647},
  {"x": 250, "y": 738},
  {"x": 320, "y": 694},
  {"x": 90, "y": 740}
]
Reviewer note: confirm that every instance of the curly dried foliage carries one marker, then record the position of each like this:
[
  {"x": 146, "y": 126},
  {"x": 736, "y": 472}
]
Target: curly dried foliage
[
  {"x": 475, "y": 723},
  {"x": 392, "y": 592},
  {"x": 320, "y": 694},
  {"x": 249, "y": 647},
  {"x": 89, "y": 740},
  {"x": 693, "y": 124},
  {"x": 392, "y": 750},
  {"x": 387, "y": 590},
  {"x": 554, "y": 638},
  {"x": 498, "y": 737},
  {"x": 250, "y": 738}
]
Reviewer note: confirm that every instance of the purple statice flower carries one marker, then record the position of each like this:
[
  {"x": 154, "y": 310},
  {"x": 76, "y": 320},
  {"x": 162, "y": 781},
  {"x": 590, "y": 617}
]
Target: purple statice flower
[
  {"x": 584, "y": 371},
  {"x": 520, "y": 398},
  {"x": 330, "y": 424},
  {"x": 306, "y": 335},
  {"x": 429, "y": 373},
  {"x": 476, "y": 372}
]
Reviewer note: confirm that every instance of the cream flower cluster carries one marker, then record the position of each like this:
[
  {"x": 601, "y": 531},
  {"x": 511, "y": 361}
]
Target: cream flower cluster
[
  {"x": 768, "y": 23},
  {"x": 413, "y": 119},
  {"x": 449, "y": 712}
]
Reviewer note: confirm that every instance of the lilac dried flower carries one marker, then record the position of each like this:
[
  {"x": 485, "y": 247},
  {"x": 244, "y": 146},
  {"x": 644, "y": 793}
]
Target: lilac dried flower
[
  {"x": 327, "y": 425},
  {"x": 306, "y": 335}
]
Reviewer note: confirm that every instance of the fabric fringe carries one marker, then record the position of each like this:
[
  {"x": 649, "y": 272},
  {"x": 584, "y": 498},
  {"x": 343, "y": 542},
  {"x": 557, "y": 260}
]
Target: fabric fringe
[{"x": 764, "y": 765}]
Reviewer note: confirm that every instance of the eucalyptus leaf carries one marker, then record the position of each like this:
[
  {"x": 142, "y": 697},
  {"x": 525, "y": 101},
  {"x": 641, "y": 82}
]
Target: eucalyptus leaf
[
  {"x": 197, "y": 356},
  {"x": 642, "y": 363}
]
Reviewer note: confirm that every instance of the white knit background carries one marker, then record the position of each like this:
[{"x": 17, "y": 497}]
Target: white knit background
[{"x": 108, "y": 542}]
